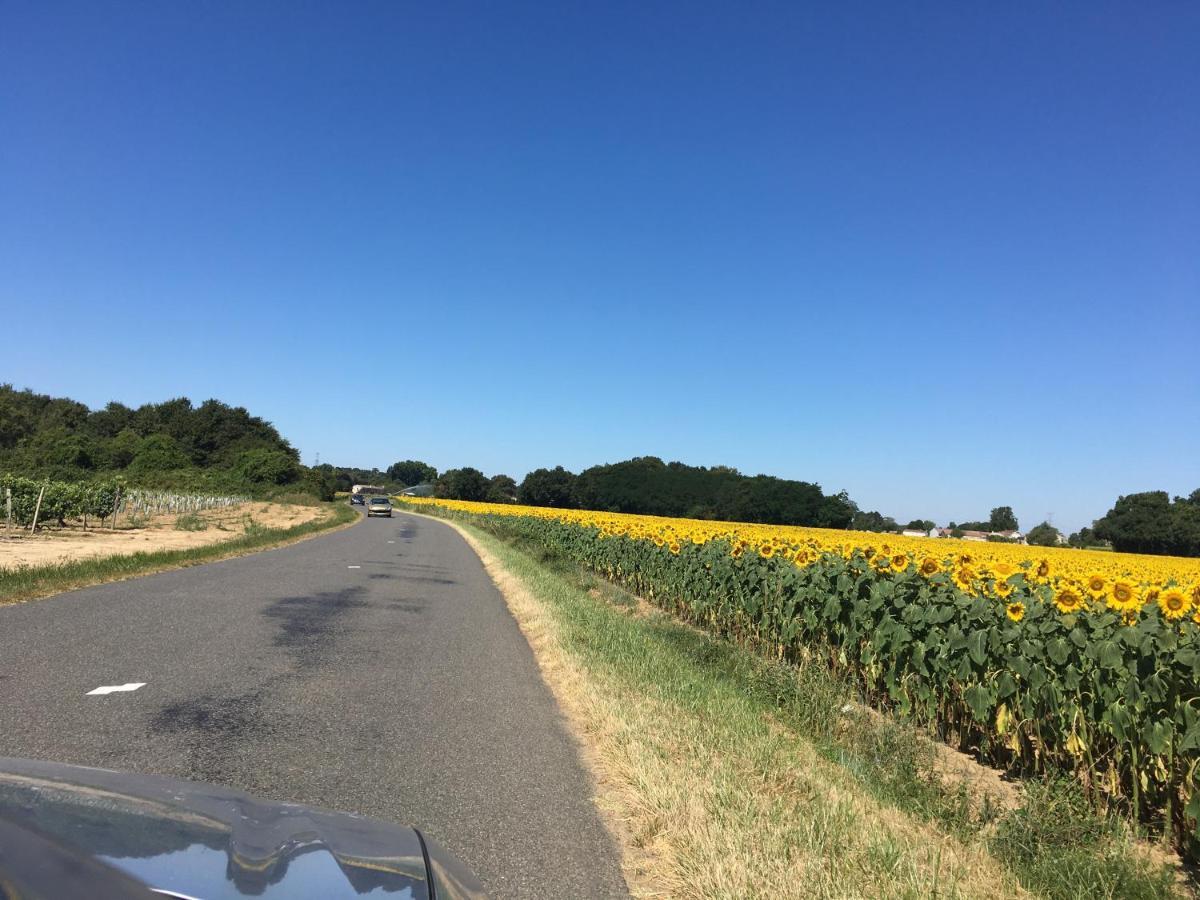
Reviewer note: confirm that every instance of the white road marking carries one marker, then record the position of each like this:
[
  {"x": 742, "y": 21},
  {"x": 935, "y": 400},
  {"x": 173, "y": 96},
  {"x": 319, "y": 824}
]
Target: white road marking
[
  {"x": 391, "y": 542},
  {"x": 110, "y": 688},
  {"x": 353, "y": 567}
]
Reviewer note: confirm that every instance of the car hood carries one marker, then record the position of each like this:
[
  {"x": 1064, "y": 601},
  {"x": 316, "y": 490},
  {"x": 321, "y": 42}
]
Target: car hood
[{"x": 202, "y": 841}]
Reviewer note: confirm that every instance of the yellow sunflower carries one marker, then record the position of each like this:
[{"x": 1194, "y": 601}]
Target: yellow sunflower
[
  {"x": 1003, "y": 571},
  {"x": 1068, "y": 600},
  {"x": 674, "y": 548},
  {"x": 929, "y": 567},
  {"x": 899, "y": 562},
  {"x": 766, "y": 551},
  {"x": 1129, "y": 615},
  {"x": 1121, "y": 595},
  {"x": 1015, "y": 610},
  {"x": 1095, "y": 585},
  {"x": 1041, "y": 569},
  {"x": 964, "y": 577},
  {"x": 1003, "y": 589},
  {"x": 801, "y": 557},
  {"x": 1174, "y": 604}
]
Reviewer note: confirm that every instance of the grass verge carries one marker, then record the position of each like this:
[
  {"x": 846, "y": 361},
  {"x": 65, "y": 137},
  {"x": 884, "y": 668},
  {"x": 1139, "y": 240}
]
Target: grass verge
[
  {"x": 33, "y": 582},
  {"x": 726, "y": 775}
]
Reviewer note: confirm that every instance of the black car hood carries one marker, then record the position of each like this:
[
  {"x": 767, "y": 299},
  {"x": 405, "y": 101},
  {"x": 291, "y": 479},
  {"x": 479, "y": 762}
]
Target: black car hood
[{"x": 207, "y": 842}]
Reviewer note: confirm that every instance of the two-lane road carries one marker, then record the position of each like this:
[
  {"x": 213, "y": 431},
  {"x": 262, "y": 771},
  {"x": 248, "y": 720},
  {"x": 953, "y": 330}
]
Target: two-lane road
[{"x": 373, "y": 670}]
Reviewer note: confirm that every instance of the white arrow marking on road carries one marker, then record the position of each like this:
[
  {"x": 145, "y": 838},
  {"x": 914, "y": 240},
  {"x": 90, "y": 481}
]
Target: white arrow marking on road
[
  {"x": 110, "y": 688},
  {"x": 353, "y": 567}
]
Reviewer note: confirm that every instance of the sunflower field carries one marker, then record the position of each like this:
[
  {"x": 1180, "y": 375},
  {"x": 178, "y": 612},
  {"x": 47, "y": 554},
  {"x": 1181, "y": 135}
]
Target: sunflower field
[{"x": 1039, "y": 660}]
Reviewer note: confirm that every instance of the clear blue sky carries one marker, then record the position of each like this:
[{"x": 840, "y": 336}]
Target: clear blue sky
[{"x": 942, "y": 256}]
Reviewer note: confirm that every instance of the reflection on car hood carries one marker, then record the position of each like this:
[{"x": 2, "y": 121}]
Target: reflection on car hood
[{"x": 208, "y": 842}]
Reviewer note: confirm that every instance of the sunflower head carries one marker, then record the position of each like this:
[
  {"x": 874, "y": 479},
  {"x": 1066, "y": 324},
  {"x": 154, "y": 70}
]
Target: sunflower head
[
  {"x": 1041, "y": 569},
  {"x": 737, "y": 551},
  {"x": 899, "y": 562},
  {"x": 929, "y": 567},
  {"x": 1003, "y": 589},
  {"x": 1015, "y": 610},
  {"x": 801, "y": 557},
  {"x": 1068, "y": 600},
  {"x": 766, "y": 551},
  {"x": 1121, "y": 594},
  {"x": 1174, "y": 604},
  {"x": 1003, "y": 571},
  {"x": 1095, "y": 585},
  {"x": 674, "y": 547},
  {"x": 964, "y": 577},
  {"x": 1129, "y": 616}
]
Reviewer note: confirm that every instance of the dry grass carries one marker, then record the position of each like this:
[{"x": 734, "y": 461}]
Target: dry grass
[{"x": 709, "y": 797}]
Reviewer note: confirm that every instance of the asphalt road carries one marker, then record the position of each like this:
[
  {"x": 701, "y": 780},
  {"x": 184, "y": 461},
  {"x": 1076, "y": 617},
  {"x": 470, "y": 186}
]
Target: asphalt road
[{"x": 401, "y": 689}]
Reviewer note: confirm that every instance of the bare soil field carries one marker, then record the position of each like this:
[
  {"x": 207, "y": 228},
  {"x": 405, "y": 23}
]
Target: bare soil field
[{"x": 57, "y": 545}]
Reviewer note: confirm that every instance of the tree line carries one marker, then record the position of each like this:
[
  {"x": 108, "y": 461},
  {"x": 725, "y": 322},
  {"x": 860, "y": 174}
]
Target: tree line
[
  {"x": 648, "y": 486},
  {"x": 174, "y": 443}
]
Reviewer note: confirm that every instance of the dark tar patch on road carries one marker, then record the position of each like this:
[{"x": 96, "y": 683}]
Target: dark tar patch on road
[{"x": 309, "y": 626}]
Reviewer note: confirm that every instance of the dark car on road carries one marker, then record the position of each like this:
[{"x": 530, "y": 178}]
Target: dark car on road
[
  {"x": 379, "y": 506},
  {"x": 357, "y": 500},
  {"x": 67, "y": 831}
]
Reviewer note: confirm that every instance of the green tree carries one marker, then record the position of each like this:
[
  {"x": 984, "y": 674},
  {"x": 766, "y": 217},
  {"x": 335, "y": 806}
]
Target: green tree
[
  {"x": 461, "y": 484},
  {"x": 60, "y": 451},
  {"x": 1043, "y": 535},
  {"x": 320, "y": 482},
  {"x": 921, "y": 525},
  {"x": 18, "y": 415},
  {"x": 158, "y": 453},
  {"x": 1084, "y": 537},
  {"x": 548, "y": 487},
  {"x": 1003, "y": 519},
  {"x": 265, "y": 466},
  {"x": 873, "y": 521},
  {"x": 836, "y": 511},
  {"x": 1139, "y": 523},
  {"x": 501, "y": 489},
  {"x": 122, "y": 448},
  {"x": 409, "y": 472},
  {"x": 110, "y": 421}
]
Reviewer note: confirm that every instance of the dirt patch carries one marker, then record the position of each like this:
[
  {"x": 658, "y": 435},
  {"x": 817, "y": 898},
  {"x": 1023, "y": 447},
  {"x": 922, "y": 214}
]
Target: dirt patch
[{"x": 68, "y": 544}]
